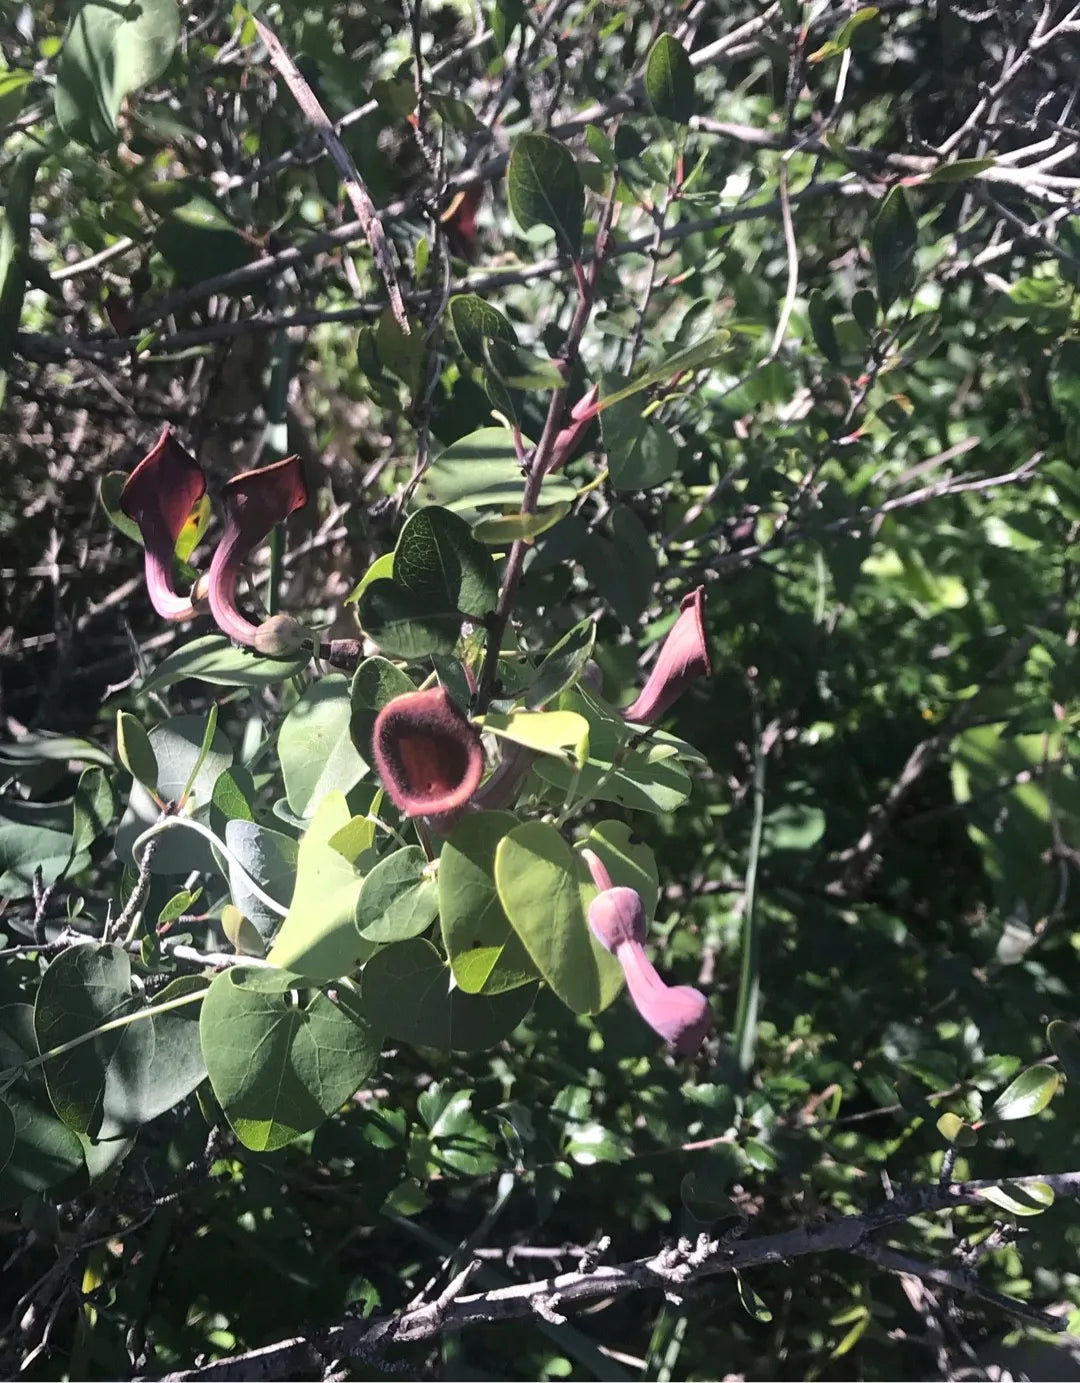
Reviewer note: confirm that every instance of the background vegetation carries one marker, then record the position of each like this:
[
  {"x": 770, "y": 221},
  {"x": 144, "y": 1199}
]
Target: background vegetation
[{"x": 836, "y": 249}]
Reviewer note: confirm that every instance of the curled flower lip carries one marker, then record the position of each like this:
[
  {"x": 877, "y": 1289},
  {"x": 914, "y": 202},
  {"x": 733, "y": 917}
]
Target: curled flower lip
[
  {"x": 255, "y": 502},
  {"x": 429, "y": 756},
  {"x": 159, "y": 495},
  {"x": 683, "y": 657},
  {"x": 679, "y": 1013}
]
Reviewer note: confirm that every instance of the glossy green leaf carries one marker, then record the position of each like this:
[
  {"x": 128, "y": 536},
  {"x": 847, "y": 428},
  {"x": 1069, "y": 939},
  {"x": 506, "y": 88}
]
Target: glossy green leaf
[
  {"x": 214, "y": 659},
  {"x": 381, "y": 569},
  {"x": 1028, "y": 1094},
  {"x": 35, "y": 835},
  {"x": 279, "y": 1068},
  {"x": 669, "y": 80},
  {"x": 44, "y": 746},
  {"x": 565, "y": 734},
  {"x": 109, "y": 490},
  {"x": 1019, "y": 1198},
  {"x": 45, "y": 1151},
  {"x": 399, "y": 899},
  {"x": 544, "y": 189},
  {"x": 845, "y": 36},
  {"x": 316, "y": 750},
  {"x": 705, "y": 352},
  {"x": 318, "y": 939},
  {"x": 959, "y": 170},
  {"x": 483, "y": 471},
  {"x": 894, "y": 238},
  {"x": 505, "y": 529},
  {"x": 545, "y": 890},
  {"x": 954, "y": 1130},
  {"x": 562, "y": 665},
  {"x": 486, "y": 954},
  {"x": 406, "y": 991},
  {"x": 475, "y": 321}
]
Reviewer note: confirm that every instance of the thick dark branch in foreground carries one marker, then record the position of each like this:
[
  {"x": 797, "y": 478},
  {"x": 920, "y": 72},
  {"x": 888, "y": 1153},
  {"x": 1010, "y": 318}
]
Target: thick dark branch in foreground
[{"x": 673, "y": 1270}]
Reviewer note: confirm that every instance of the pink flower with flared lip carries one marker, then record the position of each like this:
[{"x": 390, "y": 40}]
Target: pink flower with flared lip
[
  {"x": 679, "y": 1013},
  {"x": 255, "y": 502},
  {"x": 159, "y": 496},
  {"x": 683, "y": 658},
  {"x": 428, "y": 754}
]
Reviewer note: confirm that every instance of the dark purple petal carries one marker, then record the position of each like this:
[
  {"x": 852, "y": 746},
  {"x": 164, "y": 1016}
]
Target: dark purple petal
[
  {"x": 159, "y": 495},
  {"x": 429, "y": 756},
  {"x": 683, "y": 658},
  {"x": 255, "y": 502}
]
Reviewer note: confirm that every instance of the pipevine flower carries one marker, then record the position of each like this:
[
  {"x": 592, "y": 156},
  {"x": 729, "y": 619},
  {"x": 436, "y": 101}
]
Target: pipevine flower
[
  {"x": 255, "y": 502},
  {"x": 159, "y": 495},
  {"x": 679, "y": 1013},
  {"x": 683, "y": 657},
  {"x": 429, "y": 756}
]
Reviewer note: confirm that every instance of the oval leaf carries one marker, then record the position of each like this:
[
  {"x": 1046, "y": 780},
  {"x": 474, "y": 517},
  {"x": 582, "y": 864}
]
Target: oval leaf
[
  {"x": 1029, "y": 1094},
  {"x": 545, "y": 189},
  {"x": 669, "y": 80}
]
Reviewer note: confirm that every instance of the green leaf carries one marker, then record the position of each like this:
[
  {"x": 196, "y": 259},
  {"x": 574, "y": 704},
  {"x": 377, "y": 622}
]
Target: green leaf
[
  {"x": 630, "y": 863},
  {"x": 279, "y": 1068},
  {"x": 13, "y": 86},
  {"x": 1065, "y": 1041},
  {"x": 959, "y": 170},
  {"x": 545, "y": 890},
  {"x": 197, "y": 240},
  {"x": 110, "y": 50},
  {"x": 134, "y": 750},
  {"x": 864, "y": 308},
  {"x": 35, "y": 835},
  {"x": 751, "y": 1302},
  {"x": 646, "y": 778},
  {"x": 954, "y": 1130},
  {"x": 406, "y": 990},
  {"x": 821, "y": 325},
  {"x": 109, "y": 490},
  {"x": 1029, "y": 1198},
  {"x": 381, "y": 569},
  {"x": 318, "y": 939},
  {"x": 544, "y": 189},
  {"x": 696, "y": 357},
  {"x": 315, "y": 748},
  {"x": 439, "y": 560},
  {"x": 1028, "y": 1094},
  {"x": 669, "y": 80},
  {"x": 843, "y": 40},
  {"x": 116, "y": 1080},
  {"x": 455, "y": 112},
  {"x": 518, "y": 368},
  {"x": 177, "y": 747},
  {"x": 562, "y": 733},
  {"x": 894, "y": 238},
  {"x": 15, "y": 247},
  {"x": 45, "y": 1153},
  {"x": 270, "y": 857},
  {"x": 375, "y": 682},
  {"x": 440, "y": 574},
  {"x": 7, "y": 1135},
  {"x": 641, "y": 451},
  {"x": 399, "y": 899},
  {"x": 562, "y": 665},
  {"x": 93, "y": 806},
  {"x": 486, "y": 954},
  {"x": 214, "y": 659},
  {"x": 505, "y": 529},
  {"x": 475, "y": 322},
  {"x": 44, "y": 746},
  {"x": 482, "y": 471}
]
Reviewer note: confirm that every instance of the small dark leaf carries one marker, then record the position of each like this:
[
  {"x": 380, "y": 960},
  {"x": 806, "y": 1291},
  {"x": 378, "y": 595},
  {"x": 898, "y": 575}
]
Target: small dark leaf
[
  {"x": 894, "y": 239},
  {"x": 545, "y": 189}
]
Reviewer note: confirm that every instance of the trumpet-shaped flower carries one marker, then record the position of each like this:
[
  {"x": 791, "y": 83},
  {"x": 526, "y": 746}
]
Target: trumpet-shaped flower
[
  {"x": 428, "y": 754},
  {"x": 158, "y": 495},
  {"x": 679, "y": 1013},
  {"x": 683, "y": 657},
  {"x": 254, "y": 503}
]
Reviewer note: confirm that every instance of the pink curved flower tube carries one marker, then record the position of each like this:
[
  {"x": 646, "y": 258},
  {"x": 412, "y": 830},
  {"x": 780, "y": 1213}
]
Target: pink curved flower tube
[
  {"x": 158, "y": 495},
  {"x": 254, "y": 503},
  {"x": 683, "y": 657},
  {"x": 679, "y": 1013}
]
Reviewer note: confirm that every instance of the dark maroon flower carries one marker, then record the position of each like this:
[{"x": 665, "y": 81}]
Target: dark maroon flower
[
  {"x": 429, "y": 756},
  {"x": 684, "y": 657},
  {"x": 679, "y": 1013},
  {"x": 254, "y": 503},
  {"x": 159, "y": 495}
]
